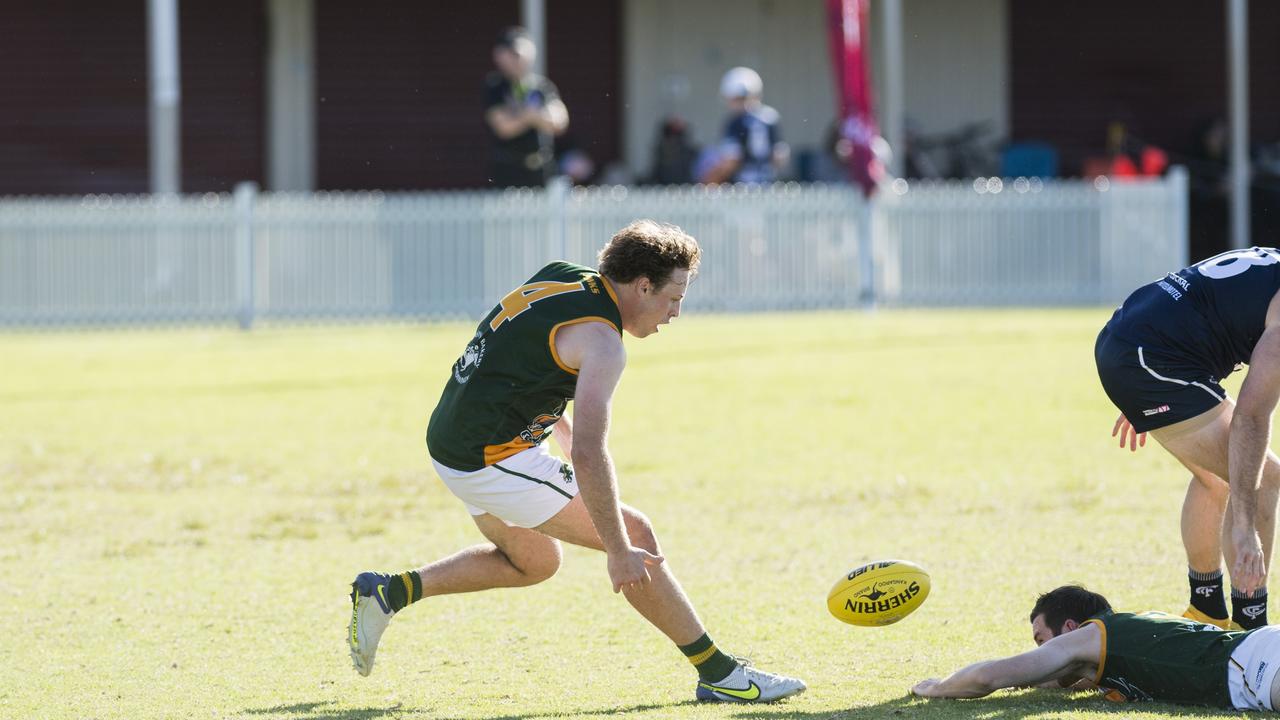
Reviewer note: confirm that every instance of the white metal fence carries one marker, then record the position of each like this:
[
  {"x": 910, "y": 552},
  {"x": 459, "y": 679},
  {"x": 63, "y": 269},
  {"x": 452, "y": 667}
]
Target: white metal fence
[
  {"x": 1001, "y": 242},
  {"x": 248, "y": 256}
]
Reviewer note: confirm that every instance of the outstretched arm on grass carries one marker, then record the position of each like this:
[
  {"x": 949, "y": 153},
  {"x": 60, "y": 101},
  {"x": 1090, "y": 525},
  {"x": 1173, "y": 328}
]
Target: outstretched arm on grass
[{"x": 1069, "y": 656}]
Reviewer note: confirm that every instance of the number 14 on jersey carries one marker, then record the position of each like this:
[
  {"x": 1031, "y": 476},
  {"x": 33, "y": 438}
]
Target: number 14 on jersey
[{"x": 519, "y": 300}]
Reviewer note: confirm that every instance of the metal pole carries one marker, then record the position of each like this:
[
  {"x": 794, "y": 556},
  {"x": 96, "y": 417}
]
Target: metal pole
[
  {"x": 533, "y": 13},
  {"x": 291, "y": 111},
  {"x": 166, "y": 95},
  {"x": 1238, "y": 49},
  {"x": 862, "y": 210},
  {"x": 892, "y": 98},
  {"x": 246, "y": 305}
]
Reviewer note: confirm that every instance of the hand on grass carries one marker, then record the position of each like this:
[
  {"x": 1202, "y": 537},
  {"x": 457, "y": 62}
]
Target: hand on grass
[{"x": 925, "y": 688}]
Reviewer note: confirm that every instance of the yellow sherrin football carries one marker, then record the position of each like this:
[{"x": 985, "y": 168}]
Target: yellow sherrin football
[{"x": 879, "y": 593}]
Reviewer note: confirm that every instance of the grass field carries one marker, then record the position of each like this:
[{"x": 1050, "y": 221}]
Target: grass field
[{"x": 181, "y": 513}]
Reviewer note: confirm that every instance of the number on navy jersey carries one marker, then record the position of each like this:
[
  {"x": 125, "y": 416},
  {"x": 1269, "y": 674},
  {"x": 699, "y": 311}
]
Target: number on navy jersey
[{"x": 1233, "y": 262}]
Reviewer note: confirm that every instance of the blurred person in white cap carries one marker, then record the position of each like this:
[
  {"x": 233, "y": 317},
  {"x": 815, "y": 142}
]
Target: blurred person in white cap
[
  {"x": 524, "y": 113},
  {"x": 751, "y": 150}
]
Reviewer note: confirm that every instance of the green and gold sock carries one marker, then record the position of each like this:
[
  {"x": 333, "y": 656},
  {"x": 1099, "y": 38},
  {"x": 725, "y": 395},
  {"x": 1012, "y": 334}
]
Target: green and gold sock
[
  {"x": 404, "y": 589},
  {"x": 711, "y": 664}
]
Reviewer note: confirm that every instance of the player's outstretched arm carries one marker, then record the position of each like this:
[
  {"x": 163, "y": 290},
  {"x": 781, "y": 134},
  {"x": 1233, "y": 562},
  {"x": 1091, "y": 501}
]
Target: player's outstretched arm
[
  {"x": 1247, "y": 453},
  {"x": 1069, "y": 655},
  {"x": 596, "y": 350}
]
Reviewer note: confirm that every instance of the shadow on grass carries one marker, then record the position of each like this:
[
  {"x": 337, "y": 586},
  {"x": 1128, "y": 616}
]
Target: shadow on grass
[
  {"x": 1002, "y": 706},
  {"x": 325, "y": 711},
  {"x": 597, "y": 712}
]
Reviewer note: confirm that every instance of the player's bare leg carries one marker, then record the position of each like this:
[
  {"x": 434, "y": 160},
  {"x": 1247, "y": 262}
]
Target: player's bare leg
[
  {"x": 513, "y": 557},
  {"x": 664, "y": 604},
  {"x": 1202, "y": 444},
  {"x": 661, "y": 601},
  {"x": 1203, "y": 510},
  {"x": 517, "y": 557},
  {"x": 1203, "y": 536}
]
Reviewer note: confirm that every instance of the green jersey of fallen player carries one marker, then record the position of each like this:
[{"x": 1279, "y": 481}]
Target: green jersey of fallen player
[
  {"x": 1171, "y": 659},
  {"x": 509, "y": 386}
]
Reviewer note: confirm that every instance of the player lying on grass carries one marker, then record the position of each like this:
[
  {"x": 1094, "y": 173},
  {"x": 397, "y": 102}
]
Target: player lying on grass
[
  {"x": 558, "y": 338},
  {"x": 1148, "y": 656}
]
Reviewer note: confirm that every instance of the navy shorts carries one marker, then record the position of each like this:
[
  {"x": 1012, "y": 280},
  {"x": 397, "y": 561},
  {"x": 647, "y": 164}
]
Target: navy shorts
[{"x": 1154, "y": 388}]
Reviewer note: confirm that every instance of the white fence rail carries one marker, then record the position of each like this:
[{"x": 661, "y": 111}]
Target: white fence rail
[
  {"x": 248, "y": 256},
  {"x": 1027, "y": 242}
]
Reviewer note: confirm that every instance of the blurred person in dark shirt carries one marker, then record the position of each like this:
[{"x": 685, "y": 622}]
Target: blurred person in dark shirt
[
  {"x": 752, "y": 150},
  {"x": 524, "y": 113}
]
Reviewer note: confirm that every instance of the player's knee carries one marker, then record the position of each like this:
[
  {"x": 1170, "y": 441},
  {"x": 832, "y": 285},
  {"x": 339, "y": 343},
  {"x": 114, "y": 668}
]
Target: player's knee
[
  {"x": 1215, "y": 486},
  {"x": 640, "y": 531},
  {"x": 1271, "y": 470},
  {"x": 538, "y": 566}
]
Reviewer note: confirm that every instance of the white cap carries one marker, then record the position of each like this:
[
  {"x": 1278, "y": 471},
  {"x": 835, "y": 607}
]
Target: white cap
[{"x": 741, "y": 82}]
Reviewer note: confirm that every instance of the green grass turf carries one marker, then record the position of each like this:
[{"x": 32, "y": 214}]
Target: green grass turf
[{"x": 181, "y": 512}]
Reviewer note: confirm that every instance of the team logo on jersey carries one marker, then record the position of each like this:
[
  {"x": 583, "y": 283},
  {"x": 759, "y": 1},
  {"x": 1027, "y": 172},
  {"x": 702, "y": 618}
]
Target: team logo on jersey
[
  {"x": 471, "y": 358},
  {"x": 536, "y": 430}
]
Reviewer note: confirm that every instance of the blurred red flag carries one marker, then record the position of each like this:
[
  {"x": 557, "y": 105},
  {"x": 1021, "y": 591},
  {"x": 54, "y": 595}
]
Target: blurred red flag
[{"x": 847, "y": 30}]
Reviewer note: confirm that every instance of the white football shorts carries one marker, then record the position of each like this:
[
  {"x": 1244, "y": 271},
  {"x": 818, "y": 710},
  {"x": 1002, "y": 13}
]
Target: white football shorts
[
  {"x": 1253, "y": 667},
  {"x": 525, "y": 490}
]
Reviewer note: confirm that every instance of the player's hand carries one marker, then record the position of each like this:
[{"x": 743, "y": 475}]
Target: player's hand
[
  {"x": 926, "y": 688},
  {"x": 1250, "y": 570},
  {"x": 630, "y": 569},
  {"x": 1128, "y": 434}
]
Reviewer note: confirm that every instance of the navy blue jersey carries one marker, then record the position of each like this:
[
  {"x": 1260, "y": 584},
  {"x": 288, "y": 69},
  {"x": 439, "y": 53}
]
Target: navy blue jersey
[
  {"x": 751, "y": 137},
  {"x": 1211, "y": 313}
]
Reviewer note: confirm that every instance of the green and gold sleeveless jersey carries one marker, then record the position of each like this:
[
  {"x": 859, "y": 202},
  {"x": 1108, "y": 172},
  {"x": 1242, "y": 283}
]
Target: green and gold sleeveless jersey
[
  {"x": 1154, "y": 656},
  {"x": 509, "y": 387}
]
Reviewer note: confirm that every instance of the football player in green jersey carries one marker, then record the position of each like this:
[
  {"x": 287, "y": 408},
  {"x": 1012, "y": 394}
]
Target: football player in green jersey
[
  {"x": 1146, "y": 656},
  {"x": 557, "y": 338}
]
